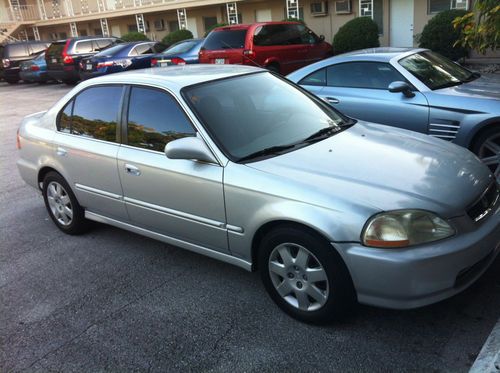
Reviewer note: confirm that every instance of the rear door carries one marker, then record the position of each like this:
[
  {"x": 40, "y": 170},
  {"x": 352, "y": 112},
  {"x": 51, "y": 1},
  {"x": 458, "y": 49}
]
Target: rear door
[
  {"x": 224, "y": 46},
  {"x": 87, "y": 146},
  {"x": 359, "y": 90}
]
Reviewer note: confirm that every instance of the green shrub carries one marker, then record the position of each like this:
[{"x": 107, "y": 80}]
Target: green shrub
[
  {"x": 134, "y": 36},
  {"x": 358, "y": 33},
  {"x": 177, "y": 36},
  {"x": 439, "y": 35},
  {"x": 214, "y": 26}
]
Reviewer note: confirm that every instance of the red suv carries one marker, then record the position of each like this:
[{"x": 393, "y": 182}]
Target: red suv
[{"x": 279, "y": 46}]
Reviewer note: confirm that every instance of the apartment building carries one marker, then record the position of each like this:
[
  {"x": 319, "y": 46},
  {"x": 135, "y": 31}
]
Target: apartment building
[{"x": 399, "y": 21}]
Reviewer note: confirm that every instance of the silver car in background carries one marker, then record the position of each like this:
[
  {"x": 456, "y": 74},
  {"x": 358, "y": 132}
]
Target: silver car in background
[
  {"x": 239, "y": 164},
  {"x": 415, "y": 89}
]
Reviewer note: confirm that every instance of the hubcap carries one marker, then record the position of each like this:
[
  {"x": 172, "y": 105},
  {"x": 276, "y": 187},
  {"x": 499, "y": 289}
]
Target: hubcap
[
  {"x": 298, "y": 277},
  {"x": 59, "y": 203},
  {"x": 489, "y": 153}
]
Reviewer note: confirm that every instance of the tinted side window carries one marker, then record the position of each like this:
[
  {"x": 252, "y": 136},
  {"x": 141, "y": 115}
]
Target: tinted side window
[
  {"x": 37, "y": 48},
  {"x": 154, "y": 119},
  {"x": 274, "y": 35},
  {"x": 225, "y": 39},
  {"x": 83, "y": 47},
  {"x": 95, "y": 113},
  {"x": 16, "y": 50},
  {"x": 317, "y": 78},
  {"x": 64, "y": 123},
  {"x": 374, "y": 75}
]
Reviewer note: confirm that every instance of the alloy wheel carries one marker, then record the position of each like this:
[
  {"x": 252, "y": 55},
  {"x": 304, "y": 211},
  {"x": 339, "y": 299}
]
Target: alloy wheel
[
  {"x": 489, "y": 153},
  {"x": 59, "y": 203},
  {"x": 298, "y": 277}
]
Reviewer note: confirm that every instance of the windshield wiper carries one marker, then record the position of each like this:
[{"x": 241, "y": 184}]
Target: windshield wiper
[
  {"x": 267, "y": 151},
  {"x": 448, "y": 85},
  {"x": 321, "y": 134},
  {"x": 473, "y": 76}
]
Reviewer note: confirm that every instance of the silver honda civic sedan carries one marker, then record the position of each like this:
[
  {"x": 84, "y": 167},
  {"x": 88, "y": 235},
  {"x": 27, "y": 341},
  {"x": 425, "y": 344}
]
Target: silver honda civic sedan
[{"x": 243, "y": 166}]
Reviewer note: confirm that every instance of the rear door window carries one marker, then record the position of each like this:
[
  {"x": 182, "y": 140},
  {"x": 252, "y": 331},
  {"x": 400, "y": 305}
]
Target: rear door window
[
  {"x": 280, "y": 34},
  {"x": 155, "y": 119},
  {"x": 16, "y": 50},
  {"x": 101, "y": 44},
  {"x": 83, "y": 47},
  {"x": 317, "y": 78},
  {"x": 94, "y": 114},
  {"x": 225, "y": 39}
]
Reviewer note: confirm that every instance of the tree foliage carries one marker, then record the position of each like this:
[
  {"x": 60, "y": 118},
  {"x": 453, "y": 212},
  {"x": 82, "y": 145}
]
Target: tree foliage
[
  {"x": 358, "y": 33},
  {"x": 134, "y": 36},
  {"x": 480, "y": 29},
  {"x": 176, "y": 36},
  {"x": 440, "y": 36}
]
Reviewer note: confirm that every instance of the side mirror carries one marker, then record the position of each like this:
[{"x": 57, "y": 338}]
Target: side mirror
[
  {"x": 189, "y": 148},
  {"x": 402, "y": 87},
  {"x": 322, "y": 38}
]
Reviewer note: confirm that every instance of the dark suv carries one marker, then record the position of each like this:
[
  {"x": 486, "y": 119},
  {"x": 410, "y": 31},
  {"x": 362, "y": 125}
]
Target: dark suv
[
  {"x": 11, "y": 55},
  {"x": 63, "y": 57}
]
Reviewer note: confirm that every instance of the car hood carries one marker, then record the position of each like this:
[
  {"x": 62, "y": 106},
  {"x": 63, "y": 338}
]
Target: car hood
[
  {"x": 382, "y": 168},
  {"x": 480, "y": 88}
]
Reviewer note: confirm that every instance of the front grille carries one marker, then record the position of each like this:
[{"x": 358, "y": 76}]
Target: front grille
[{"x": 484, "y": 205}]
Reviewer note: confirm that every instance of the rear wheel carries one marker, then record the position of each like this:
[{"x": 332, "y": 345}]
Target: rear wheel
[
  {"x": 12, "y": 81},
  {"x": 305, "y": 276},
  {"x": 70, "y": 81},
  {"x": 62, "y": 205},
  {"x": 487, "y": 148},
  {"x": 273, "y": 67}
]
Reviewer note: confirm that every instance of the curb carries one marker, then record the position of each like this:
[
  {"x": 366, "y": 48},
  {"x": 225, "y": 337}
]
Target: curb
[{"x": 488, "y": 360}]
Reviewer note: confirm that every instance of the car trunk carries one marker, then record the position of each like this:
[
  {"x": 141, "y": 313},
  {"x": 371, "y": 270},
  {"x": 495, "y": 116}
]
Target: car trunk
[
  {"x": 225, "y": 46},
  {"x": 54, "y": 55}
]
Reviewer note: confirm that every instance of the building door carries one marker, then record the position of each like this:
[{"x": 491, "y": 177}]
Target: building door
[
  {"x": 191, "y": 26},
  {"x": 401, "y": 24}
]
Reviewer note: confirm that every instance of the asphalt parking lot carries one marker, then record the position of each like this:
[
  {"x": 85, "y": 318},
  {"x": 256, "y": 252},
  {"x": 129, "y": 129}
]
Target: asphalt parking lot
[{"x": 111, "y": 300}]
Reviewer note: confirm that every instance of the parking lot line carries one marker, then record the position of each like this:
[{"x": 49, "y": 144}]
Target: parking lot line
[{"x": 488, "y": 360}]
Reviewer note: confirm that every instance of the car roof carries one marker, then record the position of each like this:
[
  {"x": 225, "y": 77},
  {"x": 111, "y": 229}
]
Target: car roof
[
  {"x": 377, "y": 54},
  {"x": 174, "y": 77},
  {"x": 248, "y": 25}
]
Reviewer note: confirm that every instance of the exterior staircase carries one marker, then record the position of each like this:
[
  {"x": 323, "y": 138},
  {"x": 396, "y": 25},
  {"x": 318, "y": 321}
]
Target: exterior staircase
[{"x": 8, "y": 30}]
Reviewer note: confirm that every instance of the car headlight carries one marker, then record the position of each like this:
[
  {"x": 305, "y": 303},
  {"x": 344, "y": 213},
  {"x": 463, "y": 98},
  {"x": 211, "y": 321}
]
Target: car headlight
[{"x": 405, "y": 228}]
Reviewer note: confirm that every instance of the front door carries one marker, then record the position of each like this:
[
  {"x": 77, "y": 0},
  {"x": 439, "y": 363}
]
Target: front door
[
  {"x": 401, "y": 23},
  {"x": 182, "y": 199}
]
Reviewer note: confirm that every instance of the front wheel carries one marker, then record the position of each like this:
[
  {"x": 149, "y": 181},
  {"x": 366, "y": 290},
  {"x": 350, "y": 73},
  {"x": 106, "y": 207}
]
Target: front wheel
[
  {"x": 305, "y": 276},
  {"x": 487, "y": 148},
  {"x": 62, "y": 205}
]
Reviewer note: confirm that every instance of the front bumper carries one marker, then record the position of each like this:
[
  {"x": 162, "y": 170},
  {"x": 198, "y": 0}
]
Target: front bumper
[
  {"x": 35, "y": 76},
  {"x": 415, "y": 277}
]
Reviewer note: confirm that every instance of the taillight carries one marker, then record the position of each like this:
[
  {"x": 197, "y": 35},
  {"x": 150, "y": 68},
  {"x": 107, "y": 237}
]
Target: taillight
[
  {"x": 5, "y": 62},
  {"x": 105, "y": 64},
  {"x": 35, "y": 68},
  {"x": 248, "y": 53},
  {"x": 18, "y": 140},
  {"x": 154, "y": 62},
  {"x": 67, "y": 59},
  {"x": 178, "y": 61}
]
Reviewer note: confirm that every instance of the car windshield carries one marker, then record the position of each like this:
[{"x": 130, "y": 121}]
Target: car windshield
[
  {"x": 109, "y": 52},
  {"x": 181, "y": 47},
  {"x": 436, "y": 71},
  {"x": 261, "y": 115}
]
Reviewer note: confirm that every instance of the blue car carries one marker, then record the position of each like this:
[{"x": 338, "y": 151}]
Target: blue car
[
  {"x": 181, "y": 53},
  {"x": 414, "y": 89},
  {"x": 121, "y": 57},
  {"x": 34, "y": 70}
]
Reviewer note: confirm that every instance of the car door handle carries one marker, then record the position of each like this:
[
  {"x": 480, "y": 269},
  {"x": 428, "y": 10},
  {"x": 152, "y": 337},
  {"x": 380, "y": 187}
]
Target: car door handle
[
  {"x": 61, "y": 151},
  {"x": 331, "y": 100},
  {"x": 132, "y": 170}
]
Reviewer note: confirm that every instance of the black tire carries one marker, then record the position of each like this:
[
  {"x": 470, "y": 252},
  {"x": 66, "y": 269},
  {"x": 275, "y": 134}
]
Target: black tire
[
  {"x": 12, "y": 81},
  {"x": 78, "y": 223},
  {"x": 338, "y": 288},
  {"x": 492, "y": 134},
  {"x": 273, "y": 67},
  {"x": 70, "y": 81}
]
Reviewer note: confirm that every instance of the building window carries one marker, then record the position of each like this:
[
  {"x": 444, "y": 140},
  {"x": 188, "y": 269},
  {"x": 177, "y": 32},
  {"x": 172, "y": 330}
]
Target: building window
[
  {"x": 209, "y": 22},
  {"x": 301, "y": 13},
  {"x": 82, "y": 32},
  {"x": 436, "y": 6},
  {"x": 375, "y": 10},
  {"x": 173, "y": 26},
  {"x": 132, "y": 28},
  {"x": 98, "y": 31},
  {"x": 460, "y": 4}
]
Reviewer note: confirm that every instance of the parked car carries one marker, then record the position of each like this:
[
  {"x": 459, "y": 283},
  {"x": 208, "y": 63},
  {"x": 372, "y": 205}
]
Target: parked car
[
  {"x": 415, "y": 89},
  {"x": 121, "y": 57},
  {"x": 11, "y": 55},
  {"x": 181, "y": 53},
  {"x": 63, "y": 57},
  {"x": 278, "y": 46},
  {"x": 34, "y": 70},
  {"x": 239, "y": 164}
]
